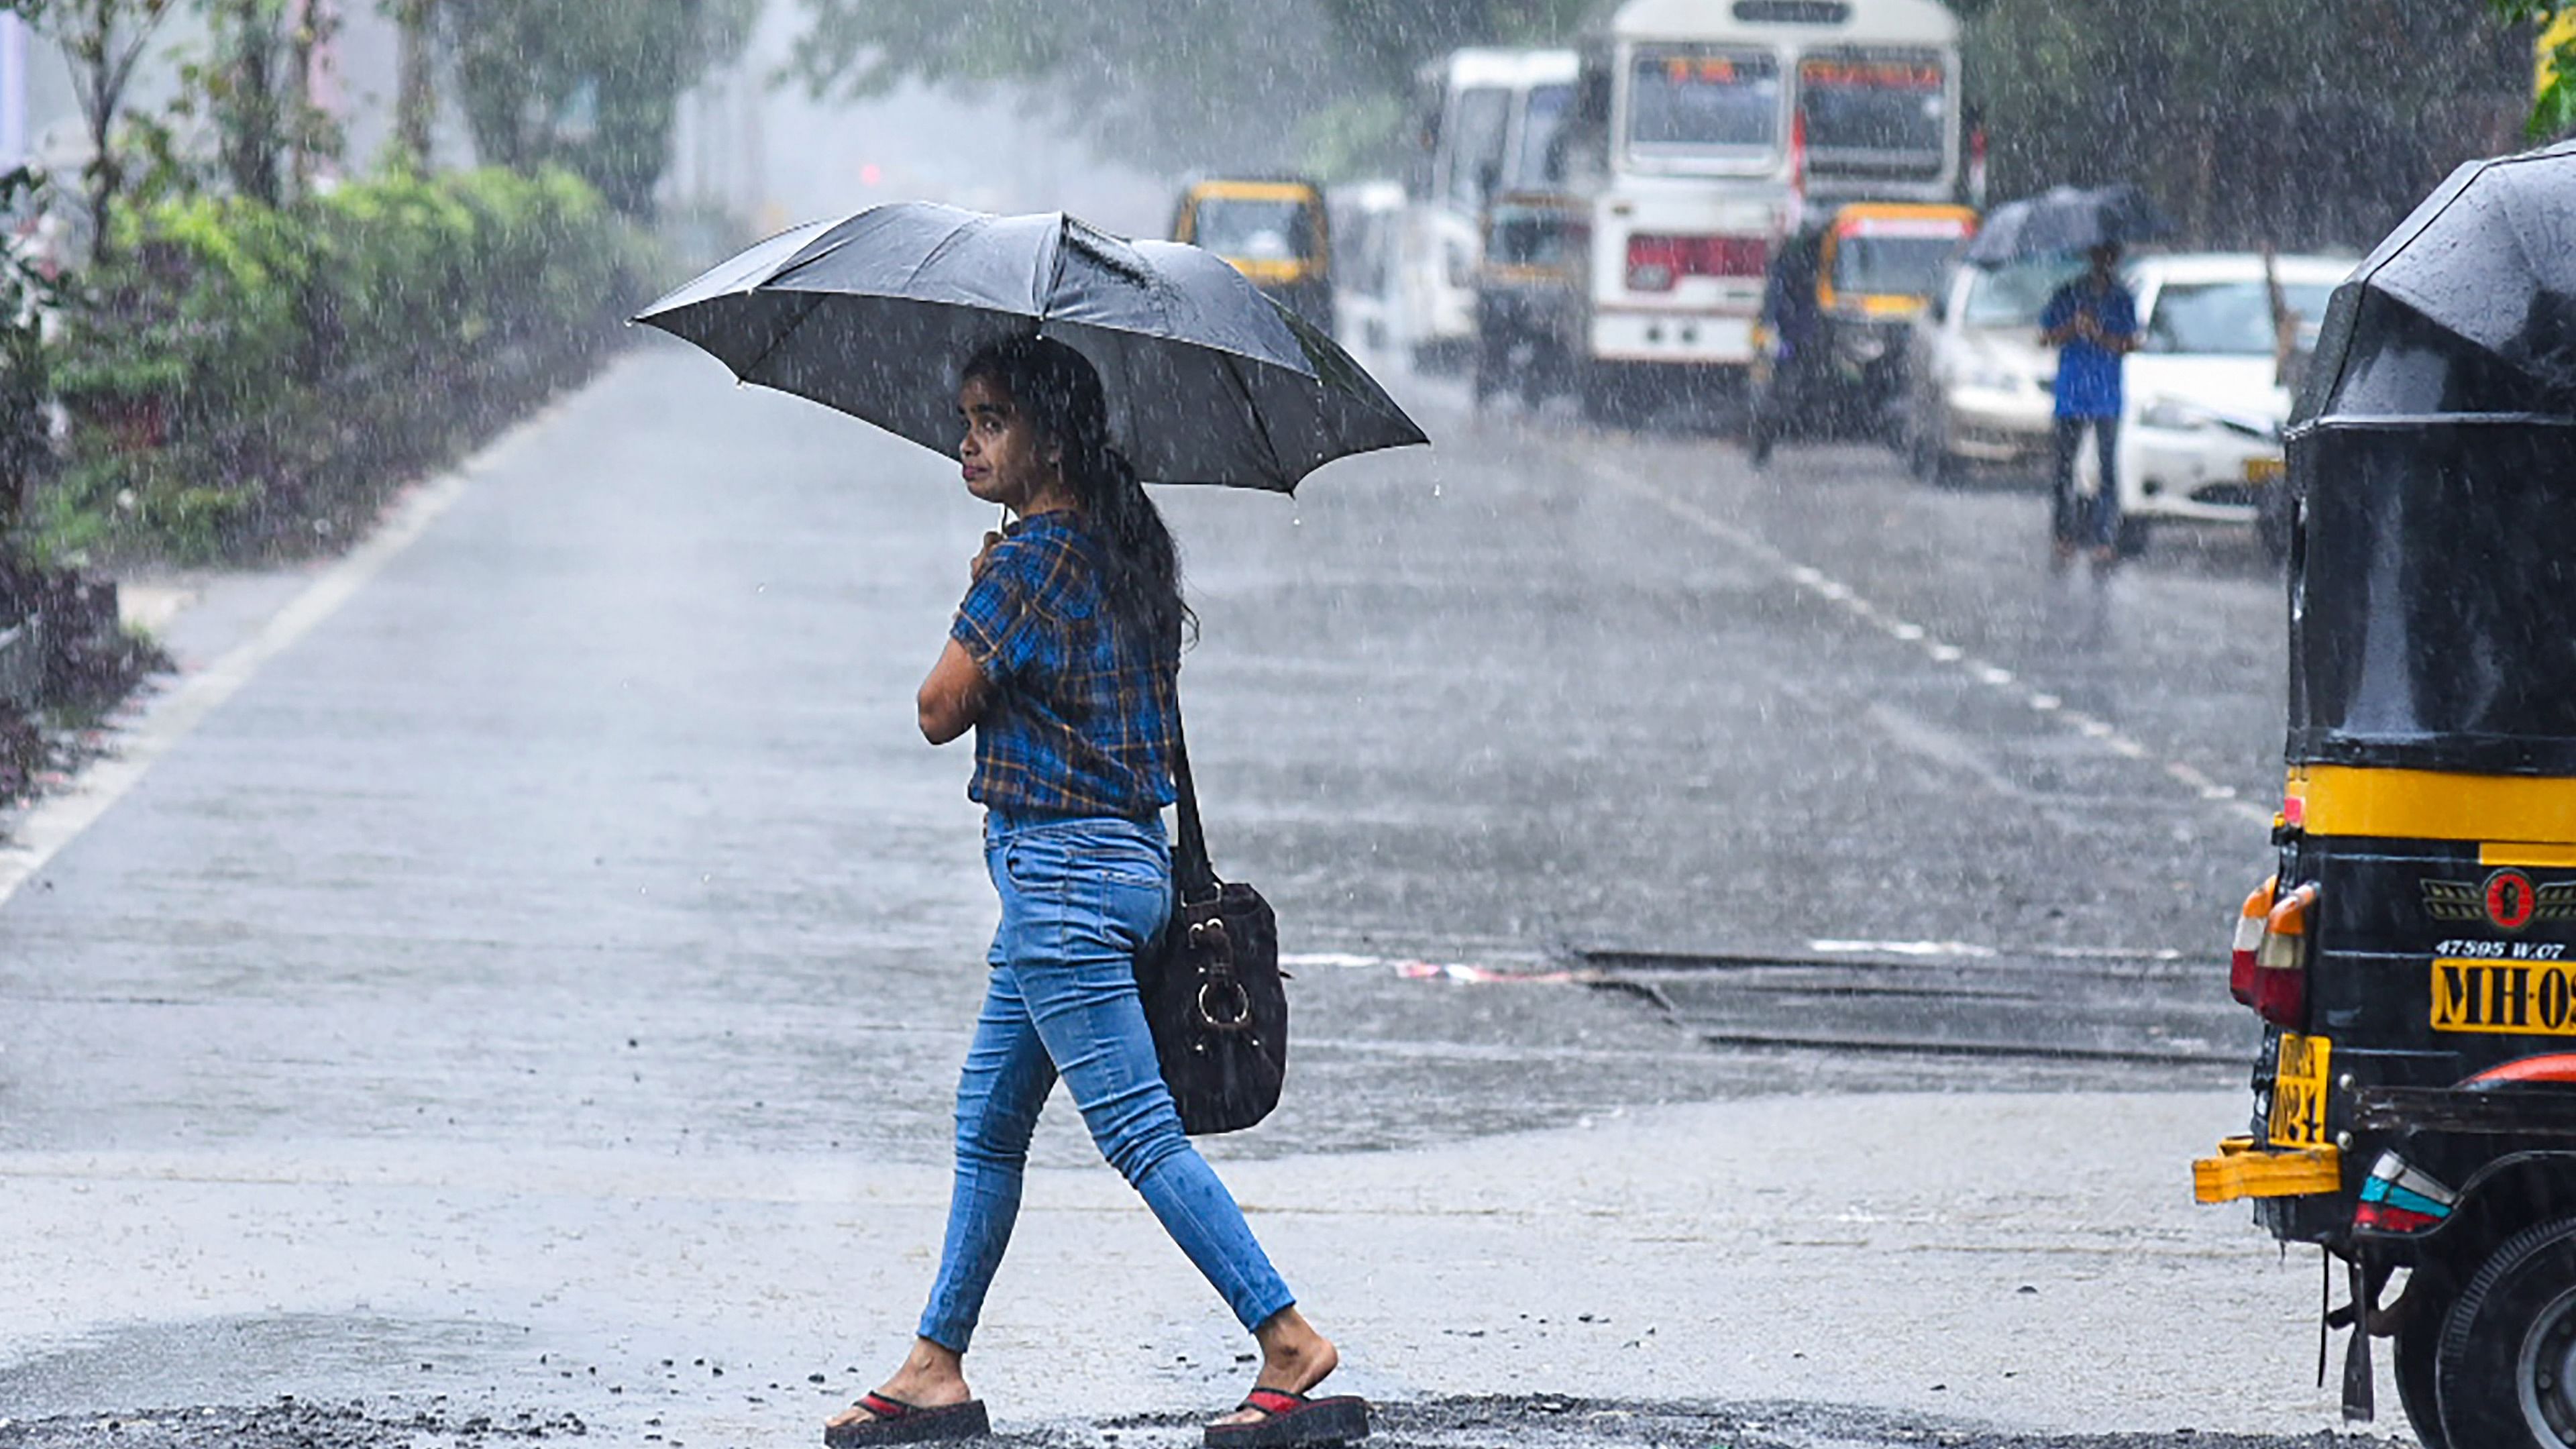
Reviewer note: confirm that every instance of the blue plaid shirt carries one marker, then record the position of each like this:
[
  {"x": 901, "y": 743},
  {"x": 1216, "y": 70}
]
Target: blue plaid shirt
[{"x": 1083, "y": 715}]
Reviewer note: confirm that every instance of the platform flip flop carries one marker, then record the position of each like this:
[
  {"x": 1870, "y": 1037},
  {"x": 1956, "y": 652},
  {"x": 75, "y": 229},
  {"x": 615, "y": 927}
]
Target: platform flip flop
[
  {"x": 897, "y": 1422},
  {"x": 1293, "y": 1420}
]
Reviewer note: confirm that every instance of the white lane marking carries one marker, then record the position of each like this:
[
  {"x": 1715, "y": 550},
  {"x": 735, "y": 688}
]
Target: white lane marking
[
  {"x": 55, "y": 821},
  {"x": 1466, "y": 974},
  {"x": 1963, "y": 950},
  {"x": 1903, "y": 948},
  {"x": 1994, "y": 676},
  {"x": 1413, "y": 970}
]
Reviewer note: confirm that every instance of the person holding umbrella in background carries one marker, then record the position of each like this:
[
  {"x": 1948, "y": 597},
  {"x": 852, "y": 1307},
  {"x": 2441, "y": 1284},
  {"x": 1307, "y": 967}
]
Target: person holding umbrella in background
[{"x": 2093, "y": 322}]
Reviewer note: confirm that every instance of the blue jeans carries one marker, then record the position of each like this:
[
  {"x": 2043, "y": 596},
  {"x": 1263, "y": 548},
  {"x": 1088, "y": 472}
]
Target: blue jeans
[{"x": 1080, "y": 898}]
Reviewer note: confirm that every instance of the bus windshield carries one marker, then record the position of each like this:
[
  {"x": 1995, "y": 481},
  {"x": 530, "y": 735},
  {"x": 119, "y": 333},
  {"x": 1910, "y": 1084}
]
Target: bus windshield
[
  {"x": 1542, "y": 120},
  {"x": 1475, "y": 142},
  {"x": 1689, "y": 100},
  {"x": 1878, "y": 114}
]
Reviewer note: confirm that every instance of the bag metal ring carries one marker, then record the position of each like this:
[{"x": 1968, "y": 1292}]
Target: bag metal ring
[{"x": 1239, "y": 1015}]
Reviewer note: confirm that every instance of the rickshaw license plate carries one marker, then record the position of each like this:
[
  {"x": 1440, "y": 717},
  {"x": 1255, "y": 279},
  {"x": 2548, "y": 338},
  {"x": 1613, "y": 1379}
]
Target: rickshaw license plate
[
  {"x": 2526, "y": 995},
  {"x": 2265, "y": 470},
  {"x": 2299, "y": 1091}
]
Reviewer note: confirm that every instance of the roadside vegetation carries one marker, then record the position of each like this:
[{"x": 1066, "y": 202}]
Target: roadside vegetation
[
  {"x": 225, "y": 341},
  {"x": 244, "y": 380}
]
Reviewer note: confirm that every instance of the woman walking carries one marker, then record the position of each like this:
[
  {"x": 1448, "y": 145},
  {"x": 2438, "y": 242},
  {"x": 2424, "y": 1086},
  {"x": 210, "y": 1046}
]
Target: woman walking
[{"x": 1064, "y": 660}]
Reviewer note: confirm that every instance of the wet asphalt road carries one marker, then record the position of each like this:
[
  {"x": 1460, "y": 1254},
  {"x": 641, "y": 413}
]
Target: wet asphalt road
[{"x": 556, "y": 952}]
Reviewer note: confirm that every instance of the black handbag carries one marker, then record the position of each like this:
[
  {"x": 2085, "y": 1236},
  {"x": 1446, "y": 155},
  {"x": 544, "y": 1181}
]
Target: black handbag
[{"x": 1211, "y": 986}]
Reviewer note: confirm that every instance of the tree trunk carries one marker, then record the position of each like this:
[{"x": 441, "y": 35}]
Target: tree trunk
[
  {"x": 308, "y": 26},
  {"x": 416, "y": 95},
  {"x": 251, "y": 125}
]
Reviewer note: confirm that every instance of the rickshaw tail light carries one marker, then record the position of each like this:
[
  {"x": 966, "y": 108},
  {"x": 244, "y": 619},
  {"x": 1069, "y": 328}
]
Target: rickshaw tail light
[
  {"x": 2281, "y": 997},
  {"x": 2280, "y": 987},
  {"x": 2249, "y": 940},
  {"x": 2390, "y": 1218}
]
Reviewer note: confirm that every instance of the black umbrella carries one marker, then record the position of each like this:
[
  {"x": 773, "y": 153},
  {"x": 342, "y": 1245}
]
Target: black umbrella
[
  {"x": 2489, "y": 259},
  {"x": 874, "y": 314},
  {"x": 2065, "y": 219}
]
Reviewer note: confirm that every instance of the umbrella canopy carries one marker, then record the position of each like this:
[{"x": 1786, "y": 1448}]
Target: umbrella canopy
[
  {"x": 2066, "y": 219},
  {"x": 2489, "y": 259},
  {"x": 876, "y": 314}
]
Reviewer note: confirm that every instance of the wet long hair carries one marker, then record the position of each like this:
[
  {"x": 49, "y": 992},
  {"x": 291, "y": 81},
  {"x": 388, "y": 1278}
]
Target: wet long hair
[{"x": 1058, "y": 391}]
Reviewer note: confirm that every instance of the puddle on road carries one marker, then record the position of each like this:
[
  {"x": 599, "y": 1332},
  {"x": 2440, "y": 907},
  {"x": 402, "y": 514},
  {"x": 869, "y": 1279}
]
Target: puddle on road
[{"x": 229, "y": 1361}]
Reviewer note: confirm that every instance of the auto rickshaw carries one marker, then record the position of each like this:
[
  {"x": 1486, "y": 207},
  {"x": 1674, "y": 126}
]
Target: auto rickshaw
[
  {"x": 2413, "y": 958},
  {"x": 1529, "y": 295},
  {"x": 1829, "y": 350},
  {"x": 1274, "y": 231}
]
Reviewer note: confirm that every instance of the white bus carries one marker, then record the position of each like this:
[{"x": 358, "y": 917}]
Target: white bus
[
  {"x": 1487, "y": 120},
  {"x": 1703, "y": 130}
]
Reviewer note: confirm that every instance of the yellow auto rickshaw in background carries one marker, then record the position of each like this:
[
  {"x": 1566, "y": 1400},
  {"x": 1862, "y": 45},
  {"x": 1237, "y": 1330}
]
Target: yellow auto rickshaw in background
[
  {"x": 1829, "y": 350},
  {"x": 1530, "y": 295},
  {"x": 2413, "y": 957},
  {"x": 1273, "y": 230}
]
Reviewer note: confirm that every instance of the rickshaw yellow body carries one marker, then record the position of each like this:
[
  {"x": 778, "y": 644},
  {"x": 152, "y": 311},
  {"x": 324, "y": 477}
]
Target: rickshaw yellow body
[{"x": 1302, "y": 283}]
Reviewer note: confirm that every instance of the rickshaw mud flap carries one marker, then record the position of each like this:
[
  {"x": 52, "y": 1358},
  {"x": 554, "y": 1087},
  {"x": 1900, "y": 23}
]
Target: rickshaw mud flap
[
  {"x": 2359, "y": 1405},
  {"x": 2469, "y": 1111}
]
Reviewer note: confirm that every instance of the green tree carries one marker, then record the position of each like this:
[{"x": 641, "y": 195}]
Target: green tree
[
  {"x": 254, "y": 89},
  {"x": 1220, "y": 83},
  {"x": 103, "y": 40},
  {"x": 591, "y": 85},
  {"x": 1400, "y": 35},
  {"x": 1185, "y": 83},
  {"x": 26, "y": 384},
  {"x": 2253, "y": 120},
  {"x": 416, "y": 83},
  {"x": 2553, "y": 102}
]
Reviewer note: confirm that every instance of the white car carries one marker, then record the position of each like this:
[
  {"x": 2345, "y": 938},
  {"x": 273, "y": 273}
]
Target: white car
[
  {"x": 1979, "y": 385},
  {"x": 2202, "y": 397}
]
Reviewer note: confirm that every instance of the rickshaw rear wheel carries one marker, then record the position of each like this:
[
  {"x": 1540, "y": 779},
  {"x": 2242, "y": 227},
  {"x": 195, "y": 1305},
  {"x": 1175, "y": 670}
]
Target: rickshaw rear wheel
[{"x": 2505, "y": 1373}]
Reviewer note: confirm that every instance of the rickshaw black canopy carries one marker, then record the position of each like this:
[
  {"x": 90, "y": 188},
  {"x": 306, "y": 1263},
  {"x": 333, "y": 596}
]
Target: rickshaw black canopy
[{"x": 2433, "y": 580}]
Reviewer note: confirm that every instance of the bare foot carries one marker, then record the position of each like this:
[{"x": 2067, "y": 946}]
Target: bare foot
[
  {"x": 932, "y": 1377},
  {"x": 1294, "y": 1358}
]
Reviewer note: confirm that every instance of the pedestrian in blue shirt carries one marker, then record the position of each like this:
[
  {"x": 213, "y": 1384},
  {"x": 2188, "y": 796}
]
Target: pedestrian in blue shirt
[
  {"x": 2093, "y": 322},
  {"x": 1064, "y": 659}
]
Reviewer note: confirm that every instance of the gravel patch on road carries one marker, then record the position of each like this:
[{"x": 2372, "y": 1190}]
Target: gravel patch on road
[{"x": 1517, "y": 1422}]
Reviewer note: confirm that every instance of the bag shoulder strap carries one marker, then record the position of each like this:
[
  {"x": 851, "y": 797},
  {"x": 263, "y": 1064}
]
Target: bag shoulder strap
[{"x": 1192, "y": 872}]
